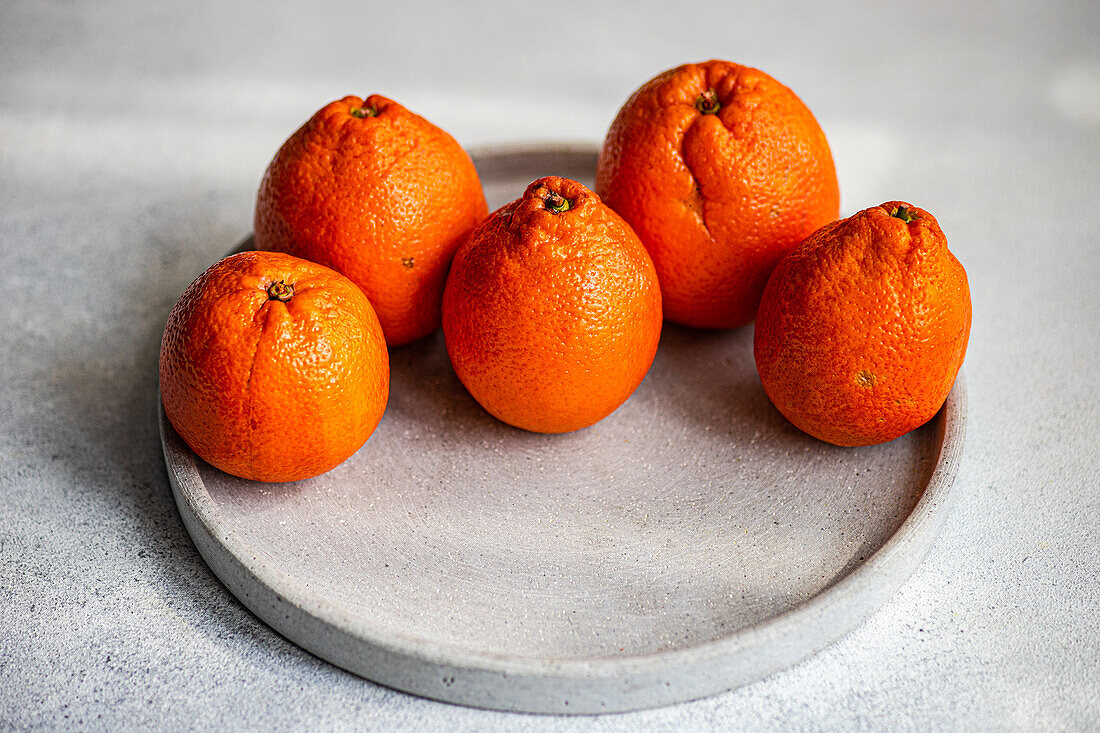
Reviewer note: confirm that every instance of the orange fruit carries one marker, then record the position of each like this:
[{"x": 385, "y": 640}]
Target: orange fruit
[
  {"x": 273, "y": 368},
  {"x": 863, "y": 328},
  {"x": 721, "y": 170},
  {"x": 379, "y": 194},
  {"x": 552, "y": 310}
]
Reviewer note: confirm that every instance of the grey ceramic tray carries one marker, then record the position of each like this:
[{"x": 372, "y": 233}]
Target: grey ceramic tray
[{"x": 691, "y": 542}]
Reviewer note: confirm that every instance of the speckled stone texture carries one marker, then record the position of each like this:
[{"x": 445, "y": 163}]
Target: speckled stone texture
[{"x": 132, "y": 139}]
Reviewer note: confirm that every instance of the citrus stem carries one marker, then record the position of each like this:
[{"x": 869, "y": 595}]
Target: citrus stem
[
  {"x": 707, "y": 102},
  {"x": 557, "y": 203},
  {"x": 362, "y": 112},
  {"x": 904, "y": 214},
  {"x": 280, "y": 291}
]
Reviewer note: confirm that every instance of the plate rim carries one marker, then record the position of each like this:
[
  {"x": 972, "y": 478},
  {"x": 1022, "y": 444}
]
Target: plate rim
[{"x": 865, "y": 588}]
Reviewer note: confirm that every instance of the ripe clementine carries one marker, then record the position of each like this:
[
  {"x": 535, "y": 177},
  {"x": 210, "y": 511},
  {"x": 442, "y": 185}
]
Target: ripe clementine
[
  {"x": 863, "y": 328},
  {"x": 379, "y": 194},
  {"x": 721, "y": 170},
  {"x": 273, "y": 368},
  {"x": 552, "y": 310}
]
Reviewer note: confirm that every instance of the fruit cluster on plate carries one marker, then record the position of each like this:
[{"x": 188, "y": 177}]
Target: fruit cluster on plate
[{"x": 716, "y": 204}]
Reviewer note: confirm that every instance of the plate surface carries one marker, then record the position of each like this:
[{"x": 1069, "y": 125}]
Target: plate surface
[{"x": 691, "y": 542}]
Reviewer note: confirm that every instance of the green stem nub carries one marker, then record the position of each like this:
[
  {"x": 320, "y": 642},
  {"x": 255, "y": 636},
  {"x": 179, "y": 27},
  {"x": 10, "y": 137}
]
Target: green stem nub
[
  {"x": 556, "y": 203},
  {"x": 904, "y": 214},
  {"x": 280, "y": 291},
  {"x": 707, "y": 103},
  {"x": 362, "y": 112}
]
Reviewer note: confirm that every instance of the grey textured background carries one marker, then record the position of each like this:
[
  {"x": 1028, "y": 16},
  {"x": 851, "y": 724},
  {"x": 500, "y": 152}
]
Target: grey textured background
[{"x": 132, "y": 138}]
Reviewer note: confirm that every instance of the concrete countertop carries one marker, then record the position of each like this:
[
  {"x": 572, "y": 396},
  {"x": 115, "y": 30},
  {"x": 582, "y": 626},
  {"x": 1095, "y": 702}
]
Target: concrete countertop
[{"x": 132, "y": 139}]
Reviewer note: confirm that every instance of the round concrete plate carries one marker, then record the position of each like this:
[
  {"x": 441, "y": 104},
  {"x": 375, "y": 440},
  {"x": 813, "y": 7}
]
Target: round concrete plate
[{"x": 691, "y": 542}]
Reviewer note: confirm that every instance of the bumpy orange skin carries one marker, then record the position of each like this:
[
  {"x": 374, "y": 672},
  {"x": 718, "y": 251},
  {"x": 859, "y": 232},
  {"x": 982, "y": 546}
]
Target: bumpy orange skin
[
  {"x": 863, "y": 328},
  {"x": 384, "y": 199},
  {"x": 718, "y": 199},
  {"x": 270, "y": 390},
  {"x": 552, "y": 320}
]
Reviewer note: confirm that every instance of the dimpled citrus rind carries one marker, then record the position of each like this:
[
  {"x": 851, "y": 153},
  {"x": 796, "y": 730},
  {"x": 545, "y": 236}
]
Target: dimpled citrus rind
[
  {"x": 269, "y": 390},
  {"x": 551, "y": 320},
  {"x": 383, "y": 197},
  {"x": 863, "y": 329},
  {"x": 717, "y": 198}
]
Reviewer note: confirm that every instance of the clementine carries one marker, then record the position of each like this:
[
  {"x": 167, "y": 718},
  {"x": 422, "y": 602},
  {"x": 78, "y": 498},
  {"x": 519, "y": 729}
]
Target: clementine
[
  {"x": 552, "y": 310},
  {"x": 379, "y": 194},
  {"x": 273, "y": 368},
  {"x": 721, "y": 170},
  {"x": 863, "y": 328}
]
